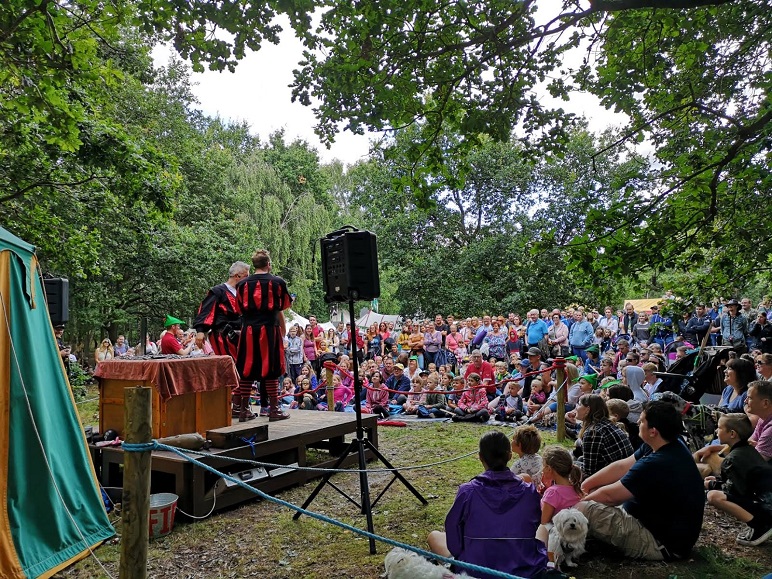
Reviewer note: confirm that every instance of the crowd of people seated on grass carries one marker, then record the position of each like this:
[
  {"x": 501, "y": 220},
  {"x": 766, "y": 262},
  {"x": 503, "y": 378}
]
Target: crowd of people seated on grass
[
  {"x": 647, "y": 499},
  {"x": 610, "y": 382}
]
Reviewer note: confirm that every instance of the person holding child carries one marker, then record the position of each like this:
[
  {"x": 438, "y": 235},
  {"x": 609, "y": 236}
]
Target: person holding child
[
  {"x": 744, "y": 489},
  {"x": 494, "y": 518}
]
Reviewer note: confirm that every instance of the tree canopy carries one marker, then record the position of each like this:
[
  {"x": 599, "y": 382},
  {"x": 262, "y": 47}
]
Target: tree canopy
[{"x": 108, "y": 167}]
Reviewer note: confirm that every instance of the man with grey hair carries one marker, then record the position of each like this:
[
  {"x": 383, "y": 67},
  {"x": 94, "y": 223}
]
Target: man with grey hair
[{"x": 217, "y": 315}]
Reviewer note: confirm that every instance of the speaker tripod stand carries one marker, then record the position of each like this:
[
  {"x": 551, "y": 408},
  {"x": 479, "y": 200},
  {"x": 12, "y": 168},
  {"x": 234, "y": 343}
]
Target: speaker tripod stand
[{"x": 359, "y": 446}]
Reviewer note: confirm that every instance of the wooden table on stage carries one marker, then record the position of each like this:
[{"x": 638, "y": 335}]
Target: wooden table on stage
[
  {"x": 189, "y": 394},
  {"x": 287, "y": 444}
]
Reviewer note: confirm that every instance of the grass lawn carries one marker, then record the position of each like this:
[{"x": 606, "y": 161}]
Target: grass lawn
[{"x": 260, "y": 539}]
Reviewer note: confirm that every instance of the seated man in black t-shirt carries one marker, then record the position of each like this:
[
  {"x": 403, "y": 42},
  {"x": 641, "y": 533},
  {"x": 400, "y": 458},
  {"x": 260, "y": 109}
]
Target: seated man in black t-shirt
[{"x": 661, "y": 495}]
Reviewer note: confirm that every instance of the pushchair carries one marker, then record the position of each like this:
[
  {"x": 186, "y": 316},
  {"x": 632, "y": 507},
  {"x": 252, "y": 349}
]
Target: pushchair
[
  {"x": 687, "y": 380},
  {"x": 696, "y": 374}
]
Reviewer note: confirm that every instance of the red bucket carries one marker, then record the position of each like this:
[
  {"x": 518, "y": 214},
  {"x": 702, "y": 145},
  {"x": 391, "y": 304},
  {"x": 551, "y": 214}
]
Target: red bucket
[{"x": 162, "y": 509}]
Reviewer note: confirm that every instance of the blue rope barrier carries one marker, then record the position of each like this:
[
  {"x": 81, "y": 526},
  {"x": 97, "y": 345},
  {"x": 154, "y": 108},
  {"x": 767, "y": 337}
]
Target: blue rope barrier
[
  {"x": 155, "y": 445},
  {"x": 315, "y": 469}
]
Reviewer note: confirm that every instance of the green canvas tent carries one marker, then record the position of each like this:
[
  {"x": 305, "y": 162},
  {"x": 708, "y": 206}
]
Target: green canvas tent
[{"x": 51, "y": 511}]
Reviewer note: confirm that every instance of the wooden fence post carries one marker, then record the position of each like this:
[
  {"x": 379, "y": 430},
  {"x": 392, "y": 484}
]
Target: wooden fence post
[
  {"x": 136, "y": 484},
  {"x": 330, "y": 390},
  {"x": 560, "y": 366}
]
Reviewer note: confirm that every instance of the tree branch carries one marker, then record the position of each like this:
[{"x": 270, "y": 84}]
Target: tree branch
[
  {"x": 55, "y": 184},
  {"x": 43, "y": 7},
  {"x": 619, "y": 5}
]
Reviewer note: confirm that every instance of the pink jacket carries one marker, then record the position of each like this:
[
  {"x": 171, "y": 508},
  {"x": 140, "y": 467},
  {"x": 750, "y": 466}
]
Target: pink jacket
[{"x": 473, "y": 400}]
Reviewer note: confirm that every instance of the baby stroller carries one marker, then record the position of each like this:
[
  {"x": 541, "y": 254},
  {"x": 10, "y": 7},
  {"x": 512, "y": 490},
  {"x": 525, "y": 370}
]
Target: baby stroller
[
  {"x": 696, "y": 374},
  {"x": 700, "y": 420},
  {"x": 687, "y": 380}
]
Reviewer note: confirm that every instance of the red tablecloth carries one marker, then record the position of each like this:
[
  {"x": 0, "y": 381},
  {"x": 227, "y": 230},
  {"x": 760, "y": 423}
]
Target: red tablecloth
[{"x": 174, "y": 376}]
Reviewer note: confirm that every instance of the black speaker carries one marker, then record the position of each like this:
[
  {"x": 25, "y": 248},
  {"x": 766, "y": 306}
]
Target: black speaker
[
  {"x": 58, "y": 298},
  {"x": 350, "y": 265}
]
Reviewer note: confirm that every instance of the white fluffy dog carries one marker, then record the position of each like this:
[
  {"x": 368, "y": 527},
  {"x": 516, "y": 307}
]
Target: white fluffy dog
[
  {"x": 567, "y": 537},
  {"x": 404, "y": 564}
]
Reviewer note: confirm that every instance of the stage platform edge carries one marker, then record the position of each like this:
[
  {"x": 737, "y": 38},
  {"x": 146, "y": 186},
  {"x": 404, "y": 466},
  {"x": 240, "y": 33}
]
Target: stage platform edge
[{"x": 287, "y": 444}]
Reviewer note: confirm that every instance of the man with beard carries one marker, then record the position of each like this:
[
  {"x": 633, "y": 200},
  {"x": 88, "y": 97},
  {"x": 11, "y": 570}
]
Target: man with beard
[{"x": 218, "y": 320}]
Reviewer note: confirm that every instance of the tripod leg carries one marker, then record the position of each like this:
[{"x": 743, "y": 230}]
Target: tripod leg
[
  {"x": 325, "y": 478},
  {"x": 365, "y": 490},
  {"x": 397, "y": 474}
]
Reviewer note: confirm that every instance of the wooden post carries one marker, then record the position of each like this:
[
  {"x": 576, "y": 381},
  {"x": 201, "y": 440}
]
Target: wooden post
[
  {"x": 330, "y": 390},
  {"x": 136, "y": 484},
  {"x": 560, "y": 367}
]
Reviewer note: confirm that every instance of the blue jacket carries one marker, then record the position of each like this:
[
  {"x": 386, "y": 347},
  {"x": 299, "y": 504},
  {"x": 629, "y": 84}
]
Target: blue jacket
[
  {"x": 393, "y": 383},
  {"x": 580, "y": 335}
]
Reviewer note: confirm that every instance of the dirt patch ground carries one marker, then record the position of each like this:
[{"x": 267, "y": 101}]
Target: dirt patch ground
[{"x": 260, "y": 539}]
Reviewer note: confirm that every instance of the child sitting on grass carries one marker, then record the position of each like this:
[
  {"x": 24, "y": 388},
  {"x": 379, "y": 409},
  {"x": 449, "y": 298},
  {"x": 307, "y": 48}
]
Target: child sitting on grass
[
  {"x": 509, "y": 406},
  {"x": 414, "y": 396},
  {"x": 493, "y": 520},
  {"x": 558, "y": 468},
  {"x": 745, "y": 487},
  {"x": 377, "y": 398},
  {"x": 526, "y": 442},
  {"x": 456, "y": 387},
  {"x": 433, "y": 399},
  {"x": 473, "y": 404}
]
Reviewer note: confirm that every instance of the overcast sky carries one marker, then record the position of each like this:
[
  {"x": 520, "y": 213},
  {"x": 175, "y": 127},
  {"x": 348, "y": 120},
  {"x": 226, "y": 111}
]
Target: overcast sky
[{"x": 258, "y": 92}]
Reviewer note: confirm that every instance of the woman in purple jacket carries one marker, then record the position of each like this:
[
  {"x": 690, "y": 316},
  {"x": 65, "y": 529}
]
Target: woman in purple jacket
[{"x": 494, "y": 518}]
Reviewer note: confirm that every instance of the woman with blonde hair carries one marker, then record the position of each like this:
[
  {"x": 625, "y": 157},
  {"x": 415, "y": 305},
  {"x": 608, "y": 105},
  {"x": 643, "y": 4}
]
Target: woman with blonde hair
[{"x": 104, "y": 351}]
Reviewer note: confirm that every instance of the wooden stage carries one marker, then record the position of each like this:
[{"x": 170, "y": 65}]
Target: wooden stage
[{"x": 287, "y": 444}]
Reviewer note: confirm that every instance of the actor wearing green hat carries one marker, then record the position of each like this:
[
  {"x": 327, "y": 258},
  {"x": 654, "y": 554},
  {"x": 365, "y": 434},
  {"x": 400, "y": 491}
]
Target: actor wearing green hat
[{"x": 169, "y": 343}]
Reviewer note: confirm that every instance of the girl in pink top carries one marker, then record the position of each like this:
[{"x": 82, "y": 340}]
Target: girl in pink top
[
  {"x": 565, "y": 491},
  {"x": 341, "y": 393}
]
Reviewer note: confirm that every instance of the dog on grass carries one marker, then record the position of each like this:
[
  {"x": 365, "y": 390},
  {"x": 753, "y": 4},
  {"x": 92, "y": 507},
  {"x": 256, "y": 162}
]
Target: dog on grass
[
  {"x": 567, "y": 537},
  {"x": 404, "y": 564}
]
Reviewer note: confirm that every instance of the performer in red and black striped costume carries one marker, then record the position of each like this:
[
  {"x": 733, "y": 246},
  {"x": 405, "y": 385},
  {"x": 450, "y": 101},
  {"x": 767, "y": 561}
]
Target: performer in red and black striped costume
[
  {"x": 218, "y": 317},
  {"x": 217, "y": 313},
  {"x": 261, "y": 300}
]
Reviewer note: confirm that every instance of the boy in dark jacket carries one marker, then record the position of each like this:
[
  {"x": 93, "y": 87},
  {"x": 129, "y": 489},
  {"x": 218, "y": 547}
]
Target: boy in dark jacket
[{"x": 745, "y": 487}]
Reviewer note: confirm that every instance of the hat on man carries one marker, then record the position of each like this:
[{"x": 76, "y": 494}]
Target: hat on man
[
  {"x": 525, "y": 363},
  {"x": 655, "y": 307},
  {"x": 171, "y": 321},
  {"x": 423, "y": 373},
  {"x": 732, "y": 302},
  {"x": 533, "y": 351},
  {"x": 59, "y": 327},
  {"x": 594, "y": 349},
  {"x": 398, "y": 366}
]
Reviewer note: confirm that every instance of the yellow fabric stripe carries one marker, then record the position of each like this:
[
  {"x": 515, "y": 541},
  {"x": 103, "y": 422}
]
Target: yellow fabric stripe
[{"x": 9, "y": 560}]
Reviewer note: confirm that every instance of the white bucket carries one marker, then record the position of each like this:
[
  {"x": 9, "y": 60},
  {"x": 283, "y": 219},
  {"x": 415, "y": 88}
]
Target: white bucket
[{"x": 162, "y": 509}]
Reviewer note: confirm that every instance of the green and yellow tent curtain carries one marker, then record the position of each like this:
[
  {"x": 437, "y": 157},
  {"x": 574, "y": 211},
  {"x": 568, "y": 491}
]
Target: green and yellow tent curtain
[{"x": 51, "y": 510}]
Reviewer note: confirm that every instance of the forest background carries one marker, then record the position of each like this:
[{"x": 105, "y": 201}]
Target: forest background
[{"x": 483, "y": 198}]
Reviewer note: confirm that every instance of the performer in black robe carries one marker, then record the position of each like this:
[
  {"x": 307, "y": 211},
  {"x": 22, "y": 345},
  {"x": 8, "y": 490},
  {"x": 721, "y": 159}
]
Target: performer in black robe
[
  {"x": 261, "y": 300},
  {"x": 217, "y": 316}
]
